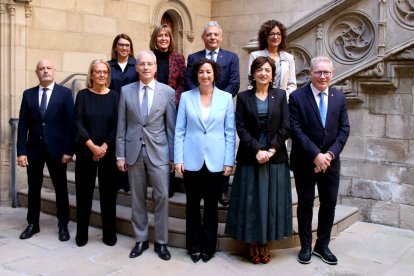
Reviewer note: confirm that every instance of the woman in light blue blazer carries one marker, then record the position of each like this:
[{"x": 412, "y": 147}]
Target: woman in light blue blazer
[{"x": 204, "y": 152}]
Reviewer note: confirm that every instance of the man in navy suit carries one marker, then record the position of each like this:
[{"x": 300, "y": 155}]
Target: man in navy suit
[
  {"x": 320, "y": 128},
  {"x": 45, "y": 135},
  {"x": 230, "y": 74}
]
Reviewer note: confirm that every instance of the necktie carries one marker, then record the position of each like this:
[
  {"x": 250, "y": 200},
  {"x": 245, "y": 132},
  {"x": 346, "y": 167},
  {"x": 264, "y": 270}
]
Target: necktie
[
  {"x": 211, "y": 55},
  {"x": 322, "y": 108},
  {"x": 144, "y": 104},
  {"x": 43, "y": 103}
]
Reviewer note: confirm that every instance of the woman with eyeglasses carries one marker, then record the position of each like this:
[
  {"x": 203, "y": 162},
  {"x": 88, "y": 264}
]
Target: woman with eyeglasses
[
  {"x": 272, "y": 43},
  {"x": 96, "y": 113},
  {"x": 260, "y": 208},
  {"x": 123, "y": 72}
]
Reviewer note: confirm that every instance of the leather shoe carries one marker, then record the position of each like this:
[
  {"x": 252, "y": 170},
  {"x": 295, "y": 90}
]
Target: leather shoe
[
  {"x": 305, "y": 255},
  {"x": 325, "y": 254},
  {"x": 138, "y": 249},
  {"x": 30, "y": 230},
  {"x": 206, "y": 257},
  {"x": 162, "y": 251},
  {"x": 224, "y": 199},
  {"x": 195, "y": 257},
  {"x": 63, "y": 233}
]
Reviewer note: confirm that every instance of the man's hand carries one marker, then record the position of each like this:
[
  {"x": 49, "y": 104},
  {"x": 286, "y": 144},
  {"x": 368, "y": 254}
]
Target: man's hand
[
  {"x": 227, "y": 170},
  {"x": 66, "y": 159},
  {"x": 322, "y": 161},
  {"x": 122, "y": 166},
  {"x": 22, "y": 161},
  {"x": 179, "y": 168}
]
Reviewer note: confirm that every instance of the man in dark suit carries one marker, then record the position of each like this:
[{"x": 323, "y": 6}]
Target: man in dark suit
[
  {"x": 320, "y": 128},
  {"x": 45, "y": 135},
  {"x": 144, "y": 147},
  {"x": 230, "y": 74}
]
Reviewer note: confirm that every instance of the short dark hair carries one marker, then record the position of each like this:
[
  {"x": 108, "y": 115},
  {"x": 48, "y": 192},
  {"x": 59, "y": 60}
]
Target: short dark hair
[
  {"x": 196, "y": 66},
  {"x": 256, "y": 64},
  {"x": 115, "y": 42},
  {"x": 265, "y": 30}
]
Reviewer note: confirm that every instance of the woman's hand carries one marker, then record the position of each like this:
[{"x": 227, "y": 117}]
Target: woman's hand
[
  {"x": 262, "y": 156},
  {"x": 227, "y": 170},
  {"x": 179, "y": 168}
]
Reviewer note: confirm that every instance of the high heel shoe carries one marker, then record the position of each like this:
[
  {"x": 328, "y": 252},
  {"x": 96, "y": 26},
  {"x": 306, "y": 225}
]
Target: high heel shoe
[
  {"x": 254, "y": 254},
  {"x": 264, "y": 254}
]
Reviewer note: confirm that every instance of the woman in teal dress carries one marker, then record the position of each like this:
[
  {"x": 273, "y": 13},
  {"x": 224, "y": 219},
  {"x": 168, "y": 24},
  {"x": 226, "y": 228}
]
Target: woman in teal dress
[{"x": 261, "y": 202}]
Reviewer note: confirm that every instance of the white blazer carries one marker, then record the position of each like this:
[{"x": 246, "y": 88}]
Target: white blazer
[{"x": 213, "y": 142}]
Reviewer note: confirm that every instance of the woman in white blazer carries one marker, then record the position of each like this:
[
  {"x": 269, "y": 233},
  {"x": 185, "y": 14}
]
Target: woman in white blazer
[
  {"x": 272, "y": 43},
  {"x": 204, "y": 152}
]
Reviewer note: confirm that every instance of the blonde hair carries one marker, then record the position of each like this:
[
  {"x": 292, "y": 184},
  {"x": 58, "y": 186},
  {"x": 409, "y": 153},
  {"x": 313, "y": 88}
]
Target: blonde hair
[
  {"x": 154, "y": 35},
  {"x": 89, "y": 81}
]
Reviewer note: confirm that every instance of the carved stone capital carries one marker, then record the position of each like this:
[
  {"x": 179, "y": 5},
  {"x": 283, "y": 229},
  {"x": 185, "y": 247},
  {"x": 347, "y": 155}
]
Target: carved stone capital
[
  {"x": 28, "y": 11},
  {"x": 12, "y": 9},
  {"x": 189, "y": 35}
]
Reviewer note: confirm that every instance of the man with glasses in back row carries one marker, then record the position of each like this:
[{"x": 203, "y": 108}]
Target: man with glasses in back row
[{"x": 319, "y": 130}]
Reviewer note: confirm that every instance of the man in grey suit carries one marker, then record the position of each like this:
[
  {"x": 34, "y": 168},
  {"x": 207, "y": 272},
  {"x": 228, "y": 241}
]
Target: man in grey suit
[{"x": 144, "y": 147}]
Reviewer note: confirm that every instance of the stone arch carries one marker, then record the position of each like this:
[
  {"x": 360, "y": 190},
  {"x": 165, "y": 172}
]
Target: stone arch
[{"x": 181, "y": 20}]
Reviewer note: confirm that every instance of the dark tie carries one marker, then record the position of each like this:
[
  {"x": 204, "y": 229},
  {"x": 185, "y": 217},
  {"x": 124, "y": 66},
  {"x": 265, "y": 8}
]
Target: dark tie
[
  {"x": 322, "y": 108},
  {"x": 43, "y": 103},
  {"x": 144, "y": 104}
]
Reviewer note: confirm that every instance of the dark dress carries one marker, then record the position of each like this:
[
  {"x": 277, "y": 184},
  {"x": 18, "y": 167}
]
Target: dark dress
[
  {"x": 96, "y": 119},
  {"x": 261, "y": 201}
]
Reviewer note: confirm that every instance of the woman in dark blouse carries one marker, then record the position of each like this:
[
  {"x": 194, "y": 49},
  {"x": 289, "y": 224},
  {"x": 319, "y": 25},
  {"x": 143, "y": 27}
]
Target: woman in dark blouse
[
  {"x": 96, "y": 113},
  {"x": 123, "y": 72}
]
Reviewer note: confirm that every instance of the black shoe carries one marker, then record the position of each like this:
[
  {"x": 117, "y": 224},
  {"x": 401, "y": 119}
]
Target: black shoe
[
  {"x": 63, "y": 233},
  {"x": 162, "y": 251},
  {"x": 195, "y": 257},
  {"x": 81, "y": 241},
  {"x": 30, "y": 230},
  {"x": 110, "y": 241},
  {"x": 305, "y": 255},
  {"x": 206, "y": 257},
  {"x": 325, "y": 254},
  {"x": 138, "y": 249},
  {"x": 224, "y": 199}
]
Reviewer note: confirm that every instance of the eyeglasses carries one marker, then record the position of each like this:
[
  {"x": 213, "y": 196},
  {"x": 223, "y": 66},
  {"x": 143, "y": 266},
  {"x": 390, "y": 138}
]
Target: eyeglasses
[
  {"x": 100, "y": 72},
  {"x": 273, "y": 35},
  {"x": 122, "y": 45},
  {"x": 142, "y": 64},
  {"x": 324, "y": 73}
]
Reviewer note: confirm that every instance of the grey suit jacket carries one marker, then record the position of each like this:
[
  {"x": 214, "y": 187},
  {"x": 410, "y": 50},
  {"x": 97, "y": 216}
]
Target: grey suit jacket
[{"x": 157, "y": 132}]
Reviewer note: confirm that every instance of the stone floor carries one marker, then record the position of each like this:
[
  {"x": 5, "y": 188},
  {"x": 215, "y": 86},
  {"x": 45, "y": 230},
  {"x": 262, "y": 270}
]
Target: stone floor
[{"x": 362, "y": 249}]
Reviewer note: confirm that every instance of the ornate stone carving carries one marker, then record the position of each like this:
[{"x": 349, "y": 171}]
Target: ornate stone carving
[
  {"x": 351, "y": 37},
  {"x": 319, "y": 32},
  {"x": 27, "y": 11},
  {"x": 302, "y": 64},
  {"x": 406, "y": 54},
  {"x": 377, "y": 71},
  {"x": 189, "y": 35},
  {"x": 403, "y": 12},
  {"x": 12, "y": 10},
  {"x": 2, "y": 8},
  {"x": 345, "y": 87}
]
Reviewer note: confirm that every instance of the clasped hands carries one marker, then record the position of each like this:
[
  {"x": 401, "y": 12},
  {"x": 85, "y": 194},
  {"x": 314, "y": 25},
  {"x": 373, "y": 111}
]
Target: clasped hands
[
  {"x": 179, "y": 167},
  {"x": 263, "y": 156},
  {"x": 322, "y": 161},
  {"x": 98, "y": 151}
]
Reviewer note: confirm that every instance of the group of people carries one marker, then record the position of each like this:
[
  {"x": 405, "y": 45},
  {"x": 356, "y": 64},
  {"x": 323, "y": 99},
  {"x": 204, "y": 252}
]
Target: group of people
[{"x": 134, "y": 126}]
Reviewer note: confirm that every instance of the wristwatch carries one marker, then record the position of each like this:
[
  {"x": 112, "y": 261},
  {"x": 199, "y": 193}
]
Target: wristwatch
[{"x": 272, "y": 150}]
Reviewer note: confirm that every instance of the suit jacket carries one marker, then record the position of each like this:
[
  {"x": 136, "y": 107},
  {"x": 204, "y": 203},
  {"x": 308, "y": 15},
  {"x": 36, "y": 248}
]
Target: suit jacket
[
  {"x": 230, "y": 74},
  {"x": 212, "y": 143},
  {"x": 309, "y": 137},
  {"x": 55, "y": 131},
  {"x": 288, "y": 76},
  {"x": 248, "y": 128},
  {"x": 157, "y": 131}
]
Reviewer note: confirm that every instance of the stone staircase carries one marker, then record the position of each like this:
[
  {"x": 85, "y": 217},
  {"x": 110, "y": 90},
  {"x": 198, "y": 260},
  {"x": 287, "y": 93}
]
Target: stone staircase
[{"x": 345, "y": 216}]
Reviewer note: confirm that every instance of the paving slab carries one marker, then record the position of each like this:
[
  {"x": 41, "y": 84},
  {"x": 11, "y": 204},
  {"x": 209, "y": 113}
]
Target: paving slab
[{"x": 362, "y": 249}]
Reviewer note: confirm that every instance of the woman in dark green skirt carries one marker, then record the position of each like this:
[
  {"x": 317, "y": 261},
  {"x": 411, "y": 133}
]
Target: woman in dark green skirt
[{"x": 261, "y": 202}]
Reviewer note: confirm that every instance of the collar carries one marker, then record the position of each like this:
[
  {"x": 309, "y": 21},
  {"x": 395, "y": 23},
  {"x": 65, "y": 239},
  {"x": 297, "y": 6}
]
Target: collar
[
  {"x": 50, "y": 87},
  {"x": 316, "y": 92},
  {"x": 208, "y": 51},
  {"x": 151, "y": 84}
]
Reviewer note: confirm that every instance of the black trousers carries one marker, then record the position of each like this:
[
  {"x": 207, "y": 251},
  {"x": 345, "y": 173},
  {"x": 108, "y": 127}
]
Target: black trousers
[
  {"x": 202, "y": 230},
  {"x": 57, "y": 171},
  {"x": 328, "y": 184},
  {"x": 85, "y": 177}
]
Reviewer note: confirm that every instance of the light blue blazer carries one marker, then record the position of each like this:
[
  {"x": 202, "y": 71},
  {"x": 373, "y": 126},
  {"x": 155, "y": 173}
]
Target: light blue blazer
[{"x": 213, "y": 142}]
